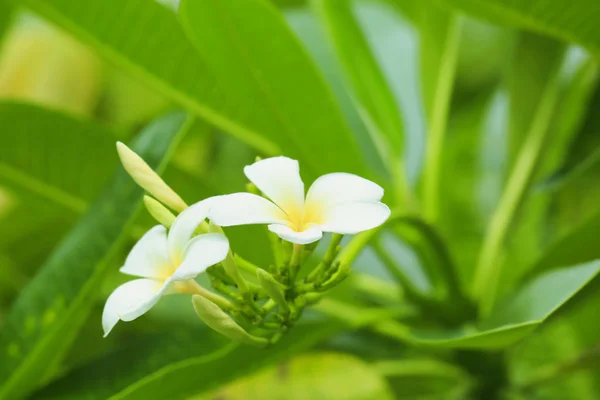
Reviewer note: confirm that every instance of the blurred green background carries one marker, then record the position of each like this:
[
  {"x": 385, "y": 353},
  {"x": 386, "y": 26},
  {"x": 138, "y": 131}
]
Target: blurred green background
[{"x": 359, "y": 86}]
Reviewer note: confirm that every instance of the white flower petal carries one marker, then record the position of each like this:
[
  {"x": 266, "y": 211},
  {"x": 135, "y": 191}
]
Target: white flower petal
[
  {"x": 183, "y": 228},
  {"x": 243, "y": 209},
  {"x": 279, "y": 179},
  {"x": 202, "y": 252},
  {"x": 312, "y": 234},
  {"x": 148, "y": 258},
  {"x": 340, "y": 187},
  {"x": 352, "y": 218},
  {"x": 130, "y": 300}
]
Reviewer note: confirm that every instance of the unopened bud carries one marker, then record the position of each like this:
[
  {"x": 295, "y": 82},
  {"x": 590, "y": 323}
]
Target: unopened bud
[
  {"x": 159, "y": 212},
  {"x": 274, "y": 289},
  {"x": 231, "y": 268},
  {"x": 218, "y": 320},
  {"x": 149, "y": 180}
]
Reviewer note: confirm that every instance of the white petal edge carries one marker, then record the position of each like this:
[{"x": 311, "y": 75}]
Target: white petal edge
[
  {"x": 244, "y": 209},
  {"x": 353, "y": 218},
  {"x": 202, "y": 252},
  {"x": 148, "y": 258},
  {"x": 310, "y": 235},
  {"x": 279, "y": 179},
  {"x": 130, "y": 300},
  {"x": 183, "y": 228},
  {"x": 341, "y": 187}
]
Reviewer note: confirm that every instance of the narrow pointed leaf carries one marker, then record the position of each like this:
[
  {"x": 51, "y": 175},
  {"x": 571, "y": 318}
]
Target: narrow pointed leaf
[
  {"x": 49, "y": 312},
  {"x": 256, "y": 58}
]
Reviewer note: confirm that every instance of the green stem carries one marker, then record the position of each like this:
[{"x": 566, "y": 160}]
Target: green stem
[
  {"x": 222, "y": 302},
  {"x": 245, "y": 264},
  {"x": 332, "y": 251},
  {"x": 487, "y": 272},
  {"x": 295, "y": 262},
  {"x": 439, "y": 119}
]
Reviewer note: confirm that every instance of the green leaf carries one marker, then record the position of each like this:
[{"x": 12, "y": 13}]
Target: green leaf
[
  {"x": 425, "y": 379},
  {"x": 6, "y": 18},
  {"x": 520, "y": 314},
  {"x": 168, "y": 63},
  {"x": 530, "y": 156},
  {"x": 254, "y": 55},
  {"x": 556, "y": 362},
  {"x": 440, "y": 33},
  {"x": 311, "y": 376},
  {"x": 575, "y": 21},
  {"x": 292, "y": 116},
  {"x": 57, "y": 156},
  {"x": 180, "y": 364},
  {"x": 49, "y": 312},
  {"x": 578, "y": 246},
  {"x": 372, "y": 93}
]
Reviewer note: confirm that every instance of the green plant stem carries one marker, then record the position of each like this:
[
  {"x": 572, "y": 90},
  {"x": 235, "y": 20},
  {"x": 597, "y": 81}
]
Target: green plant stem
[
  {"x": 245, "y": 264},
  {"x": 332, "y": 251},
  {"x": 222, "y": 302},
  {"x": 439, "y": 119},
  {"x": 487, "y": 272},
  {"x": 295, "y": 261}
]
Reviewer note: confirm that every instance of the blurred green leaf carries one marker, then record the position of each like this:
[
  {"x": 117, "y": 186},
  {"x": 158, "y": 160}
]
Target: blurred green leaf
[
  {"x": 578, "y": 246},
  {"x": 533, "y": 63},
  {"x": 530, "y": 156},
  {"x": 312, "y": 376},
  {"x": 440, "y": 33},
  {"x": 253, "y": 54},
  {"x": 575, "y": 21},
  {"x": 50, "y": 310},
  {"x": 180, "y": 364},
  {"x": 557, "y": 362},
  {"x": 512, "y": 320},
  {"x": 6, "y": 18},
  {"x": 57, "y": 156},
  {"x": 373, "y": 95},
  {"x": 168, "y": 63},
  {"x": 425, "y": 379}
]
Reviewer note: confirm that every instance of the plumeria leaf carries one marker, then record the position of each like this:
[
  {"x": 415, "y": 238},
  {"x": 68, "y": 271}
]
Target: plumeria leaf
[
  {"x": 371, "y": 91},
  {"x": 519, "y": 315},
  {"x": 311, "y": 376},
  {"x": 49, "y": 312},
  {"x": 59, "y": 154},
  {"x": 254, "y": 55},
  {"x": 573, "y": 21},
  {"x": 179, "y": 364}
]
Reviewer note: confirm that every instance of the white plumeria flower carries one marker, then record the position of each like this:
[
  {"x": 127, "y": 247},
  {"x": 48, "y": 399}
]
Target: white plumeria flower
[
  {"x": 167, "y": 263},
  {"x": 338, "y": 202}
]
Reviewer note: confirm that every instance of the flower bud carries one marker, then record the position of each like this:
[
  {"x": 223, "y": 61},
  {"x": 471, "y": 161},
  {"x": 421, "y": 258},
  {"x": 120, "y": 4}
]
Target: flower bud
[
  {"x": 149, "y": 180},
  {"x": 159, "y": 212},
  {"x": 218, "y": 320},
  {"x": 274, "y": 289}
]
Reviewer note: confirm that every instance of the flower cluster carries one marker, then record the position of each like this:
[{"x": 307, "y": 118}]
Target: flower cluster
[{"x": 169, "y": 257}]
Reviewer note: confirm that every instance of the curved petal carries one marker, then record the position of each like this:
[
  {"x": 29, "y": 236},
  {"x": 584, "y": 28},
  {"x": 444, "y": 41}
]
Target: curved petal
[
  {"x": 352, "y": 218},
  {"x": 244, "y": 209},
  {"x": 148, "y": 258},
  {"x": 309, "y": 235},
  {"x": 340, "y": 187},
  {"x": 202, "y": 252},
  {"x": 130, "y": 300},
  {"x": 183, "y": 228},
  {"x": 279, "y": 179}
]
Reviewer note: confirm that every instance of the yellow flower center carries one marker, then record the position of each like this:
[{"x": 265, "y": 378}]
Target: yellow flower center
[{"x": 300, "y": 220}]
